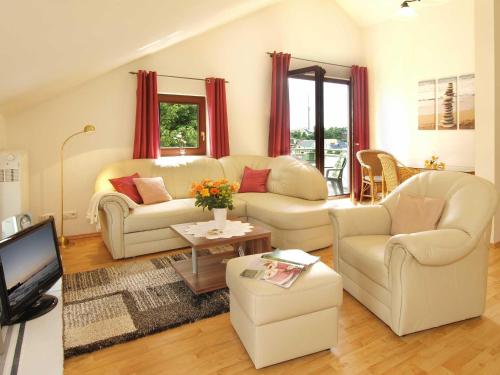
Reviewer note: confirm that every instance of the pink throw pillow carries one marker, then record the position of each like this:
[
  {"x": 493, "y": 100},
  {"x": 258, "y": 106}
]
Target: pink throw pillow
[
  {"x": 416, "y": 214},
  {"x": 152, "y": 190},
  {"x": 254, "y": 180},
  {"x": 125, "y": 185}
]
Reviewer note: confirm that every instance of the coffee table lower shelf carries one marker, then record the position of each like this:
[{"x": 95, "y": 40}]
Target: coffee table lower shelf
[
  {"x": 211, "y": 272},
  {"x": 207, "y": 273}
]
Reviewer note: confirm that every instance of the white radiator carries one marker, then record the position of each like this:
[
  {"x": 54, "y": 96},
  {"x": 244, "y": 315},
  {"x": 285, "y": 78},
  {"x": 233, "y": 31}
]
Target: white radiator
[{"x": 14, "y": 183}]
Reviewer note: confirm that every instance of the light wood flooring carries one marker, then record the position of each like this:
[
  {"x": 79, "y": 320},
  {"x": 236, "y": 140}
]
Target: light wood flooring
[{"x": 366, "y": 345}]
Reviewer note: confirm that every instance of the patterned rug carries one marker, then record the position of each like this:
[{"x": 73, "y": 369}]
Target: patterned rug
[{"x": 112, "y": 305}]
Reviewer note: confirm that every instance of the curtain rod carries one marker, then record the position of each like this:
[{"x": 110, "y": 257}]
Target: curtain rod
[
  {"x": 315, "y": 61},
  {"x": 180, "y": 77}
]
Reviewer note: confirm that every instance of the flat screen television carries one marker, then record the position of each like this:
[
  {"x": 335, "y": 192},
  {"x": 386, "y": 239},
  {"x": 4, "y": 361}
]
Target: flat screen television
[{"x": 30, "y": 264}]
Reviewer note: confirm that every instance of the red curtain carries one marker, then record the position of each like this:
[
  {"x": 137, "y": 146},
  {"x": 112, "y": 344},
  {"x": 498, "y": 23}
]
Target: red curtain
[
  {"x": 361, "y": 123},
  {"x": 217, "y": 114},
  {"x": 279, "y": 124},
  {"x": 147, "y": 122}
]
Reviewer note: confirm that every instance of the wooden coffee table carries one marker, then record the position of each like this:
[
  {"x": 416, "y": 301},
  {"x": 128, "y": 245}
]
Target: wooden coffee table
[{"x": 208, "y": 273}]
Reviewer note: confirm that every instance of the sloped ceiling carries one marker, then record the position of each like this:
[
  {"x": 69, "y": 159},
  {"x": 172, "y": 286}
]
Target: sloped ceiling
[
  {"x": 371, "y": 12},
  {"x": 47, "y": 46}
]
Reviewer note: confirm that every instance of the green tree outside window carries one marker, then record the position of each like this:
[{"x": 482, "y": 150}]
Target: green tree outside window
[{"x": 178, "y": 125}]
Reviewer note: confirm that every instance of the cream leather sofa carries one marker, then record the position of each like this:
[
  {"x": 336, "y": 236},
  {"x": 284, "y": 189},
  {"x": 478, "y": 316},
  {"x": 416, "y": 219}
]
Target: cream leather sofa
[
  {"x": 295, "y": 209},
  {"x": 421, "y": 280}
]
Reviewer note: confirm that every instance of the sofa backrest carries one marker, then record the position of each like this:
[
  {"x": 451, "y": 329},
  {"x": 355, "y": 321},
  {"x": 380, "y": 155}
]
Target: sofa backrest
[
  {"x": 233, "y": 166},
  {"x": 471, "y": 201},
  {"x": 288, "y": 176},
  {"x": 177, "y": 172},
  {"x": 120, "y": 169}
]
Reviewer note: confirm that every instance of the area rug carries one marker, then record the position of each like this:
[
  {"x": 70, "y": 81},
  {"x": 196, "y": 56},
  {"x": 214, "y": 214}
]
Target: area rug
[{"x": 112, "y": 305}]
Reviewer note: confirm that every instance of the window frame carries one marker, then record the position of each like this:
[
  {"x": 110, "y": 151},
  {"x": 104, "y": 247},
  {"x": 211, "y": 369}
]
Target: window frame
[
  {"x": 202, "y": 114},
  {"x": 320, "y": 78}
]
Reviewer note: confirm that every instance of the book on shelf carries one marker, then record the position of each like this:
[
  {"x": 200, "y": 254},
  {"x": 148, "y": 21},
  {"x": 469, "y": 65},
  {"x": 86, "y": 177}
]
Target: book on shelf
[
  {"x": 293, "y": 256},
  {"x": 275, "y": 272}
]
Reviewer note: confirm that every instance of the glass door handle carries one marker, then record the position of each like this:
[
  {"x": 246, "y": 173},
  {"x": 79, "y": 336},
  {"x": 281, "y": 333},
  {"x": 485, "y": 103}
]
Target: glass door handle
[{"x": 202, "y": 136}]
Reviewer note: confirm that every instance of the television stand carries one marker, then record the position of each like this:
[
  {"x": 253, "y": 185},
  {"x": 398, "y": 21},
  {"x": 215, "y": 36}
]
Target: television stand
[
  {"x": 34, "y": 346},
  {"x": 41, "y": 306}
]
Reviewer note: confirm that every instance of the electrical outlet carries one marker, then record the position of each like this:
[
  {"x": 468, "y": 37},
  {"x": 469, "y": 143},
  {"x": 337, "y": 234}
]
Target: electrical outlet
[
  {"x": 70, "y": 215},
  {"x": 46, "y": 216}
]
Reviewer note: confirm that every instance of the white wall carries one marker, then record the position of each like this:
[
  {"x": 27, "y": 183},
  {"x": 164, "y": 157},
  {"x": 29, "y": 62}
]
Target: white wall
[
  {"x": 3, "y": 133},
  {"x": 485, "y": 88},
  {"x": 316, "y": 29},
  {"x": 437, "y": 43},
  {"x": 487, "y": 53}
]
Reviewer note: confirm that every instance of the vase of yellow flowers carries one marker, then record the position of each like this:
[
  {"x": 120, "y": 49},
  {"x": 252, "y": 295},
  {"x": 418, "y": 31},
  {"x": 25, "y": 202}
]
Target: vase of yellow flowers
[
  {"x": 215, "y": 195},
  {"x": 433, "y": 163}
]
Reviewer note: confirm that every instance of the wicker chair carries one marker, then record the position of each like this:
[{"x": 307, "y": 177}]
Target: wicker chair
[
  {"x": 393, "y": 172},
  {"x": 371, "y": 173}
]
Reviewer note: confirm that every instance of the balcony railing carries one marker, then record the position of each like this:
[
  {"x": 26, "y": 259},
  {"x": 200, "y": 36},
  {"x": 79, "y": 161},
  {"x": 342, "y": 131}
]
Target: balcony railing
[{"x": 336, "y": 168}]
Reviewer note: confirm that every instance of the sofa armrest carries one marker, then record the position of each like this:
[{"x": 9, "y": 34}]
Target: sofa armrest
[
  {"x": 432, "y": 248},
  {"x": 115, "y": 200},
  {"x": 361, "y": 220},
  {"x": 113, "y": 210}
]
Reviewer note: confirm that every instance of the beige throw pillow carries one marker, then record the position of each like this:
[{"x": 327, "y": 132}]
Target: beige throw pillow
[
  {"x": 152, "y": 190},
  {"x": 416, "y": 214}
]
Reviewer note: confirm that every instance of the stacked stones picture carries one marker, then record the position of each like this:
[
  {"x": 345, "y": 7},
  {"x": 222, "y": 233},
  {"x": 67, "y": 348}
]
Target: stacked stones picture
[
  {"x": 427, "y": 105},
  {"x": 466, "y": 96},
  {"x": 447, "y": 103}
]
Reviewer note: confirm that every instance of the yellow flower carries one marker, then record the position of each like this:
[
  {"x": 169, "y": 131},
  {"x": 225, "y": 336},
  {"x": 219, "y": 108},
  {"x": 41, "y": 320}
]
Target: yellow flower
[{"x": 205, "y": 193}]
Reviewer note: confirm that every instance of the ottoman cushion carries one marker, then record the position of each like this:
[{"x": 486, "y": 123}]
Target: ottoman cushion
[{"x": 317, "y": 288}]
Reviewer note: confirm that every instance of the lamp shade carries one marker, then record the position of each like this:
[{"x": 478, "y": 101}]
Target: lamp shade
[{"x": 89, "y": 128}]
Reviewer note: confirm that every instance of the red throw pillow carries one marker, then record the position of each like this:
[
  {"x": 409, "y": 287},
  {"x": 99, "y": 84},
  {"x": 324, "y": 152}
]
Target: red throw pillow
[
  {"x": 126, "y": 185},
  {"x": 254, "y": 180}
]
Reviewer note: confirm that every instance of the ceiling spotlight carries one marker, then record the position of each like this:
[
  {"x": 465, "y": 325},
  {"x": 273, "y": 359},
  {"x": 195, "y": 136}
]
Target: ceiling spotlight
[{"x": 406, "y": 10}]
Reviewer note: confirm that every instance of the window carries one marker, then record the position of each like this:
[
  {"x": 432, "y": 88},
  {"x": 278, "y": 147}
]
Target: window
[{"x": 182, "y": 125}]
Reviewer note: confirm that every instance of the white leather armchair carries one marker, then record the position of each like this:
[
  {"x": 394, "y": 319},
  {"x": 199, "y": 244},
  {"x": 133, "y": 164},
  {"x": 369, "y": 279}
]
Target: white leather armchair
[{"x": 421, "y": 280}]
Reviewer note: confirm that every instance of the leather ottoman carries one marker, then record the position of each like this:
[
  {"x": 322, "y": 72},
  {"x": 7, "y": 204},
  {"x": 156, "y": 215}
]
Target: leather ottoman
[{"x": 277, "y": 324}]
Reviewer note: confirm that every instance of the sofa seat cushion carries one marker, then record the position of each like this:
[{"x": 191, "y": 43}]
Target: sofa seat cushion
[
  {"x": 283, "y": 212},
  {"x": 316, "y": 289},
  {"x": 366, "y": 254},
  {"x": 176, "y": 211}
]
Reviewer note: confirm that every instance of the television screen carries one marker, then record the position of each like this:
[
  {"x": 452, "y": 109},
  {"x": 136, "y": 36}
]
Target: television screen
[{"x": 30, "y": 265}]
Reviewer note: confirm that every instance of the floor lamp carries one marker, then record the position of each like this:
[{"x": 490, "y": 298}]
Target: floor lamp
[{"x": 87, "y": 129}]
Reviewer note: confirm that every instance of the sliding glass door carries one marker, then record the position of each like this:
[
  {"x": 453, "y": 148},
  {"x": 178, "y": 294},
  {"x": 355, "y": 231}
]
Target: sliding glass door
[{"x": 320, "y": 123}]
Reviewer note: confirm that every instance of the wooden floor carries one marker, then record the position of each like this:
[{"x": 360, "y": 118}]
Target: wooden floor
[{"x": 366, "y": 345}]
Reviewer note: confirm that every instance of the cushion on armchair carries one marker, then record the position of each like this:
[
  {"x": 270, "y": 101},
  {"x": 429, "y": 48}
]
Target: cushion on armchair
[{"x": 416, "y": 214}]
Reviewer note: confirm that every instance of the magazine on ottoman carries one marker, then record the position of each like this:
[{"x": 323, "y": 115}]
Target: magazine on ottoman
[{"x": 275, "y": 272}]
